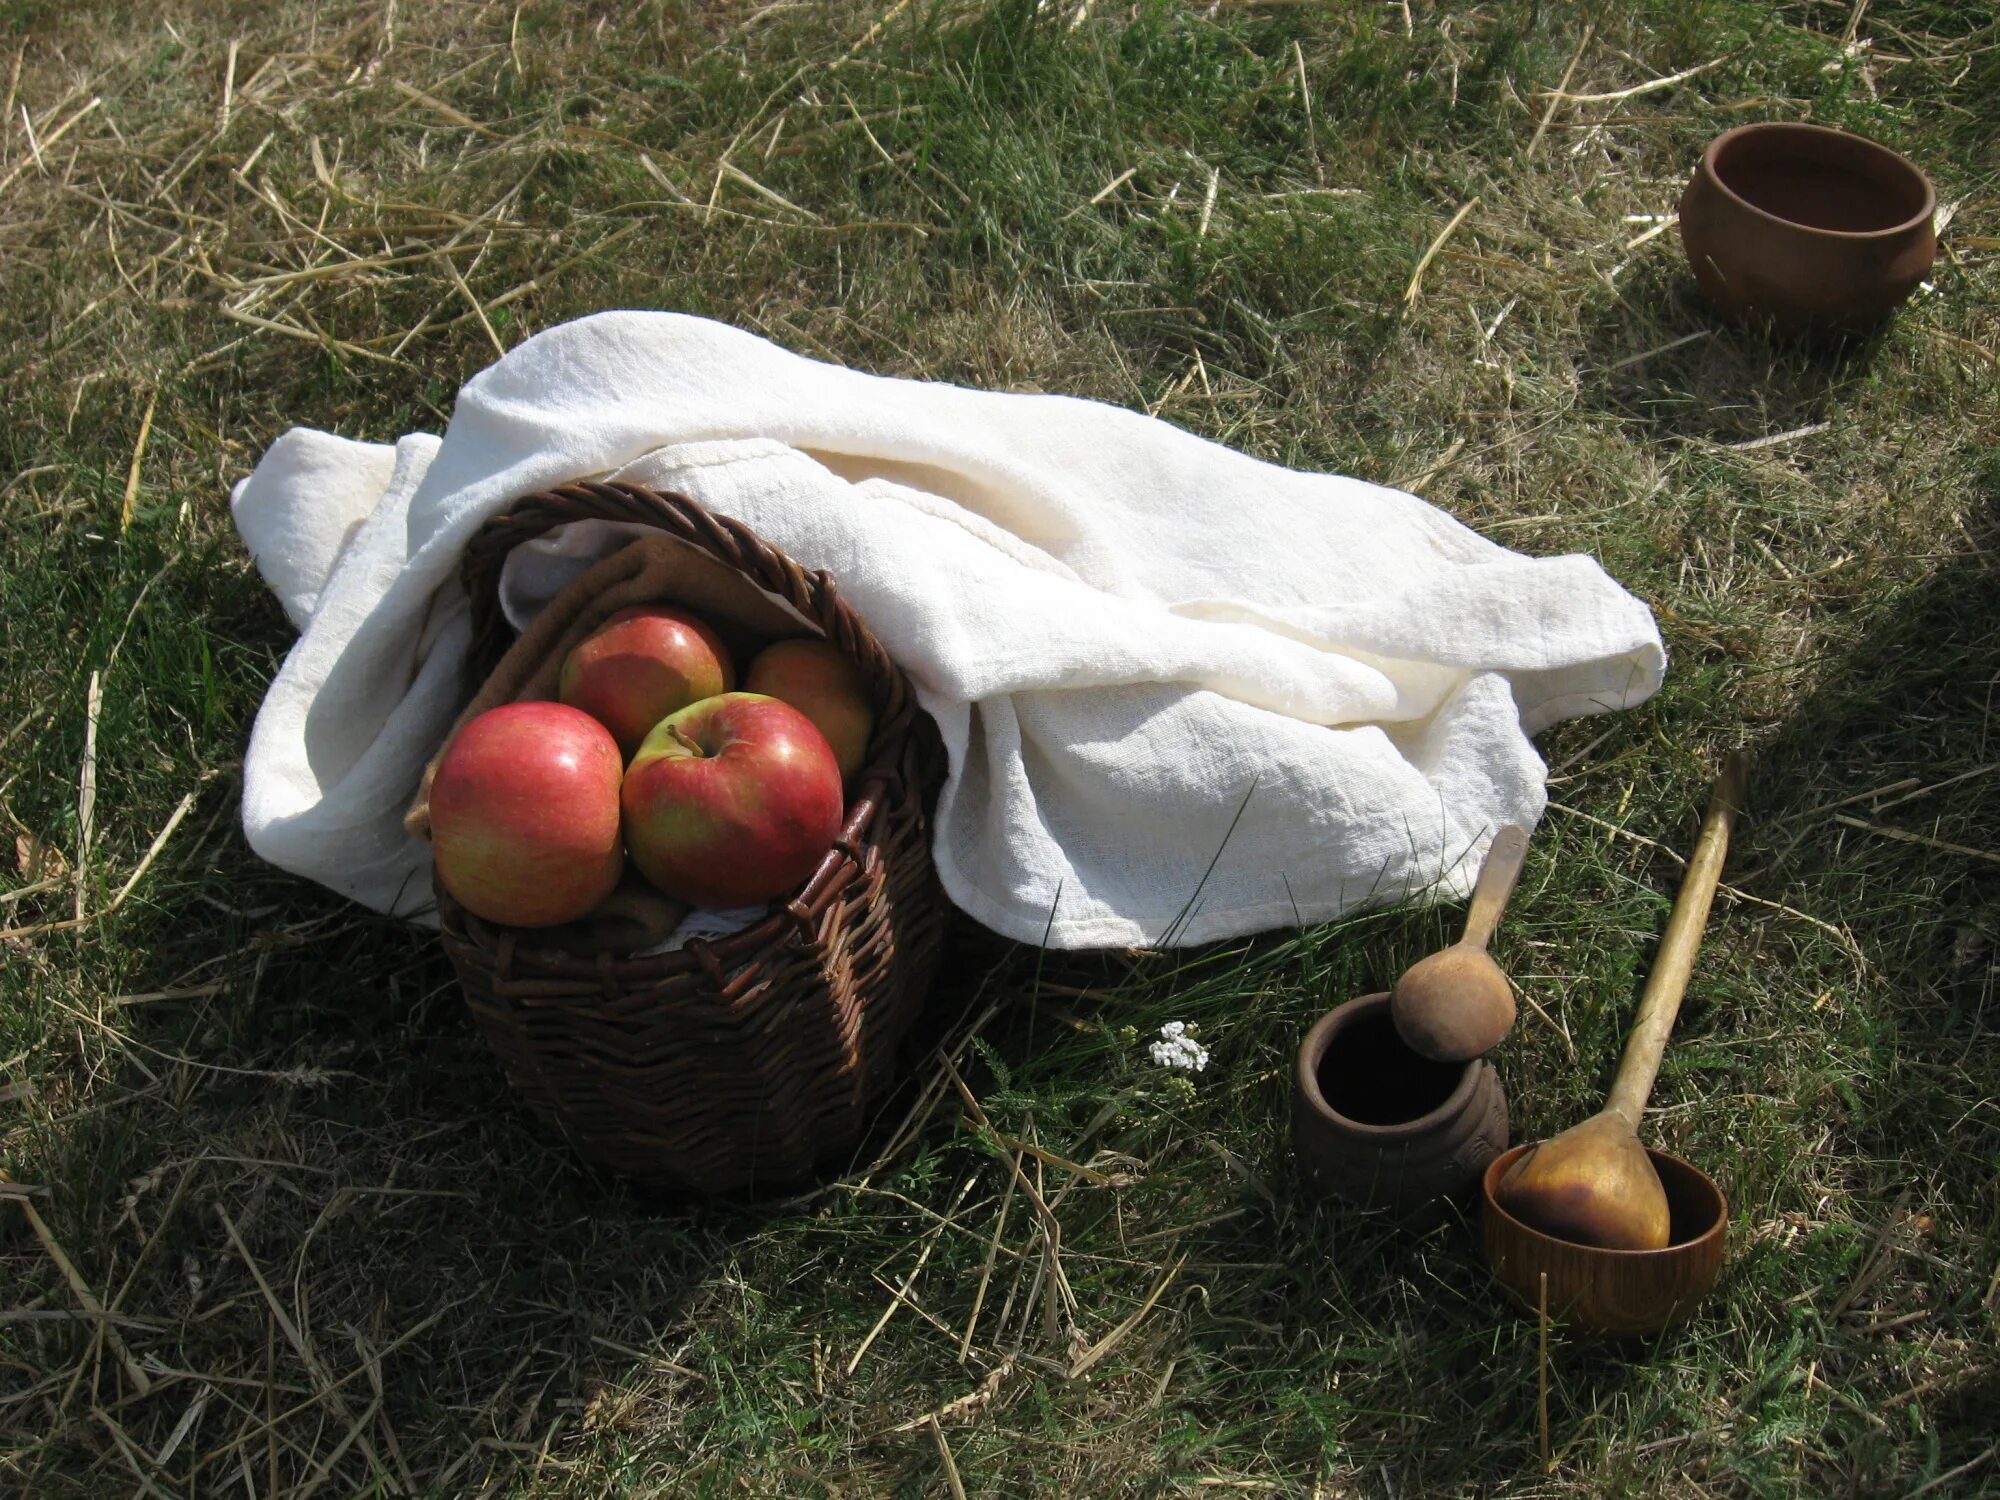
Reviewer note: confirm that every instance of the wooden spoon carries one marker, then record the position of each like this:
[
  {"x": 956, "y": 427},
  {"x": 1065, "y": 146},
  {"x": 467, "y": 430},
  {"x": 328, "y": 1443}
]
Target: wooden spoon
[
  {"x": 1594, "y": 1184},
  {"x": 1456, "y": 1004}
]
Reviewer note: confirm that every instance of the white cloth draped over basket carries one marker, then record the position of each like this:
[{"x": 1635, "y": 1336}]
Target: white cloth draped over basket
[{"x": 1186, "y": 694}]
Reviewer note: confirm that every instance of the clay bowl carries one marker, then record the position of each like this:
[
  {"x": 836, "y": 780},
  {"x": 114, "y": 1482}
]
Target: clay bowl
[
  {"x": 1612, "y": 1292},
  {"x": 1806, "y": 228},
  {"x": 1382, "y": 1126}
]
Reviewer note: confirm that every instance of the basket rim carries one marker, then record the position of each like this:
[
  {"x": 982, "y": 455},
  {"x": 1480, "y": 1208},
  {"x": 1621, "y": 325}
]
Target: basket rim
[{"x": 815, "y": 596}]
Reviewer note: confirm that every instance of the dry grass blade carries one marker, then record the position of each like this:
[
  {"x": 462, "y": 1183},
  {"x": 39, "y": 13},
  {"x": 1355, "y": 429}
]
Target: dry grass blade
[
  {"x": 1964, "y": 345},
  {"x": 80, "y": 1289},
  {"x": 944, "y": 1456},
  {"x": 1111, "y": 187},
  {"x": 328, "y": 1389},
  {"x": 881, "y": 23},
  {"x": 41, "y": 147},
  {"x": 1442, "y": 462},
  {"x": 992, "y": 1256},
  {"x": 118, "y": 899},
  {"x": 1838, "y": 934},
  {"x": 1560, "y": 91},
  {"x": 275, "y": 1418},
  {"x": 1646, "y": 237},
  {"x": 1430, "y": 254},
  {"x": 13, "y": 92},
  {"x": 190, "y": 1419},
  {"x": 1049, "y": 1158},
  {"x": 1903, "y": 835},
  {"x": 1306, "y": 108},
  {"x": 228, "y": 86},
  {"x": 1051, "y": 1229},
  {"x": 181, "y": 810},
  {"x": 1811, "y": 429},
  {"x": 737, "y": 174},
  {"x": 971, "y": 1402},
  {"x": 1652, "y": 86},
  {"x": 138, "y": 457},
  {"x": 35, "y": 888},
  {"x": 1955, "y": 1473},
  {"x": 325, "y": 1466},
  {"x": 86, "y": 791},
  {"x": 251, "y": 320},
  {"x": 1667, "y": 348},
  {"x": 1542, "y": 1371},
  {"x": 441, "y": 109},
  {"x": 465, "y": 291},
  {"x": 1096, "y": 1352},
  {"x": 128, "y": 1451},
  {"x": 902, "y": 1293}
]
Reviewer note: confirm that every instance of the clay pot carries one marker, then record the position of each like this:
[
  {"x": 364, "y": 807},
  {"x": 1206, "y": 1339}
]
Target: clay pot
[
  {"x": 1806, "y": 228},
  {"x": 1382, "y": 1126}
]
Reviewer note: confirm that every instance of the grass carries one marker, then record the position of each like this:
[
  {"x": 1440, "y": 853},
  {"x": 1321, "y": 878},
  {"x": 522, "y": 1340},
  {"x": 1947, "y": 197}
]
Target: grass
[{"x": 257, "y": 1123}]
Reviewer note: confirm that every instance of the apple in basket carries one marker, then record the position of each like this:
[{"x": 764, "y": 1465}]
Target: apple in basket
[
  {"x": 524, "y": 814},
  {"x": 732, "y": 801},
  {"x": 642, "y": 664},
  {"x": 823, "y": 685}
]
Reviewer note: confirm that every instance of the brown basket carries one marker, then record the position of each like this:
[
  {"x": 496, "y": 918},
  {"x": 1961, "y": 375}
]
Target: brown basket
[{"x": 749, "y": 1060}]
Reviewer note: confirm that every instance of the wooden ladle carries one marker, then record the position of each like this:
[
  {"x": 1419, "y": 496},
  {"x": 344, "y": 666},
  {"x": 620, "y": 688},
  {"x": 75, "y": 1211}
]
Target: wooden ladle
[
  {"x": 1457, "y": 1004},
  {"x": 1595, "y": 1184}
]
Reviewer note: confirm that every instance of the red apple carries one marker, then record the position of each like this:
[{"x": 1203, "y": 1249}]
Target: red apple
[
  {"x": 641, "y": 665},
  {"x": 524, "y": 814},
  {"x": 732, "y": 801},
  {"x": 824, "y": 686}
]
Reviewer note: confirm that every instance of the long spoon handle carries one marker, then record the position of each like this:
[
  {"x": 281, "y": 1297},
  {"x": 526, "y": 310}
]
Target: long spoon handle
[
  {"x": 1661, "y": 1002},
  {"x": 1495, "y": 884}
]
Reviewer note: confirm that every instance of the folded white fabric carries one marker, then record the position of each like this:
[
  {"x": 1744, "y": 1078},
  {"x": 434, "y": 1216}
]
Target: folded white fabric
[{"x": 1186, "y": 695}]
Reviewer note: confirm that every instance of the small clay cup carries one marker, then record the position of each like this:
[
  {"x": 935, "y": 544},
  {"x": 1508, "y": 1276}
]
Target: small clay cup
[
  {"x": 1805, "y": 228},
  {"x": 1382, "y": 1126},
  {"x": 1615, "y": 1293}
]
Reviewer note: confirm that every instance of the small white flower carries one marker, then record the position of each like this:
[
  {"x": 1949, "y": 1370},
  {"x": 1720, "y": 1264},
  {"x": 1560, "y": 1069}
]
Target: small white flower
[{"x": 1177, "y": 1048}]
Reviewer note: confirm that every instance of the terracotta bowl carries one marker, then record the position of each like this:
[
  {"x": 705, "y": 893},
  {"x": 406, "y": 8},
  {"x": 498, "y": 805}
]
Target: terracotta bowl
[
  {"x": 1612, "y": 1292},
  {"x": 1381, "y": 1125},
  {"x": 1807, "y": 228}
]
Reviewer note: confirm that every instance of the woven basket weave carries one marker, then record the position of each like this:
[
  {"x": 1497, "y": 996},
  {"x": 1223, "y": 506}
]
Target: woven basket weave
[{"x": 747, "y": 1061}]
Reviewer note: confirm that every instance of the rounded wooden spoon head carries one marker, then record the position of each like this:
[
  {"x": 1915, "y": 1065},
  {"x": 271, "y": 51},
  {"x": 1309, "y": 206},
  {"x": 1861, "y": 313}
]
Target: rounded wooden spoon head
[
  {"x": 1453, "y": 1006},
  {"x": 1591, "y": 1185}
]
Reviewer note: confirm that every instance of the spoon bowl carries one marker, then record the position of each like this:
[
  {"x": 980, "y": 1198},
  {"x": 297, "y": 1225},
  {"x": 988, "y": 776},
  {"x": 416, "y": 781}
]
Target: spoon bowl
[
  {"x": 1593, "y": 1184},
  {"x": 1456, "y": 1004}
]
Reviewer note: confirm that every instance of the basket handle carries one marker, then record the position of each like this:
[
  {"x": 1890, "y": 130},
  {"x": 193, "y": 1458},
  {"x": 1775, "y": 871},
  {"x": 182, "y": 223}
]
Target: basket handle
[{"x": 814, "y": 595}]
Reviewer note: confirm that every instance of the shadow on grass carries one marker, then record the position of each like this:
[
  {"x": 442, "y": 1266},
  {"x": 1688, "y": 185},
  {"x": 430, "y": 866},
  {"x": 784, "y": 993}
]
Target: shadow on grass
[
  {"x": 1659, "y": 355},
  {"x": 1878, "y": 801},
  {"x": 1878, "y": 804},
  {"x": 331, "y": 1185}
]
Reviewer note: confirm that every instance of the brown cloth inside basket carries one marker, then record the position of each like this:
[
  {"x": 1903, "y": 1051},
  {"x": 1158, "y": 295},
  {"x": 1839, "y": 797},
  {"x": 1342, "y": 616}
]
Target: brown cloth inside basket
[{"x": 653, "y": 570}]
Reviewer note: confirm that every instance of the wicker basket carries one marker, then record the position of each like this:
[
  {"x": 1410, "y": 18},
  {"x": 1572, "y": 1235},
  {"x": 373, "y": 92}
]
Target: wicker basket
[{"x": 748, "y": 1061}]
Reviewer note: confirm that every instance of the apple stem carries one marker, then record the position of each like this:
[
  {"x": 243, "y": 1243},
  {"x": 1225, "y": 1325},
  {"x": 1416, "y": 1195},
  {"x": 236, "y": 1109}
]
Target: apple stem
[{"x": 687, "y": 742}]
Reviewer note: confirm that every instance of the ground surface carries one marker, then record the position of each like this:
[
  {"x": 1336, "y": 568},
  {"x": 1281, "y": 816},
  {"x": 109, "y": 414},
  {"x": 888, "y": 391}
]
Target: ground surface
[{"x": 256, "y": 1121}]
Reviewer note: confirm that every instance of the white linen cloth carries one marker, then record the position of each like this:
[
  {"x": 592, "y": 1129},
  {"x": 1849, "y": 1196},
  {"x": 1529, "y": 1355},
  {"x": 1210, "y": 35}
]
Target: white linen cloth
[{"x": 1186, "y": 694}]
